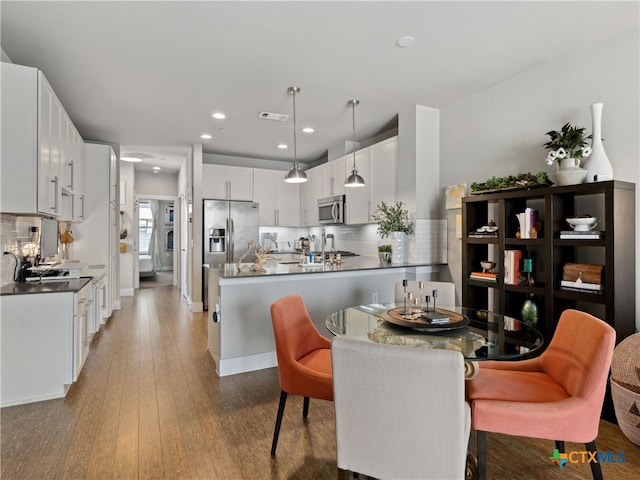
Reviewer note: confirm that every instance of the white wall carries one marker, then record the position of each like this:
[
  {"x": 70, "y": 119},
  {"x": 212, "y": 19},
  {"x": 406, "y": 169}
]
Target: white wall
[
  {"x": 500, "y": 131},
  {"x": 153, "y": 184},
  {"x": 127, "y": 259}
]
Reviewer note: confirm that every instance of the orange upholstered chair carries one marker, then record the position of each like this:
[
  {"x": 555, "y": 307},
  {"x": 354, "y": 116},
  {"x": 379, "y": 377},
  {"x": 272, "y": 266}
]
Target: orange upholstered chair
[
  {"x": 556, "y": 396},
  {"x": 304, "y": 357}
]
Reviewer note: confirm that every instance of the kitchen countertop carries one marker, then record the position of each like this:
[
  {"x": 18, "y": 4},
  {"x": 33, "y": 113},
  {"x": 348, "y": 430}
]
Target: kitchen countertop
[
  {"x": 275, "y": 267},
  {"x": 52, "y": 286}
]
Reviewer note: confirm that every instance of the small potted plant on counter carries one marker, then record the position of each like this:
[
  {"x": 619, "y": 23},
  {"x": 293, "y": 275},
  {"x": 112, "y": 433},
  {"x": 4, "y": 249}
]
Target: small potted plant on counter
[{"x": 384, "y": 253}]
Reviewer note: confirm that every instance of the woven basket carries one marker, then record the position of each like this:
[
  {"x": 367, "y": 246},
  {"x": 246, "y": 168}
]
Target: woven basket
[
  {"x": 625, "y": 364},
  {"x": 625, "y": 386},
  {"x": 627, "y": 407}
]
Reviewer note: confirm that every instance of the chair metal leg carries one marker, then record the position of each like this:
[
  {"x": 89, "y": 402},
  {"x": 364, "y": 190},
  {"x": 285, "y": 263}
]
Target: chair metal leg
[
  {"x": 596, "y": 470},
  {"x": 305, "y": 407},
  {"x": 560, "y": 446},
  {"x": 276, "y": 432},
  {"x": 481, "y": 451}
]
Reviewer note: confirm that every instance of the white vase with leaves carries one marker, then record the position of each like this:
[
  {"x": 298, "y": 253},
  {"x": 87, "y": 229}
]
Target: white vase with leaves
[{"x": 394, "y": 222}]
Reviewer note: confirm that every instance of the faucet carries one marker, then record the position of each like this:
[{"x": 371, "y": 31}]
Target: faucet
[
  {"x": 324, "y": 241},
  {"x": 333, "y": 247}
]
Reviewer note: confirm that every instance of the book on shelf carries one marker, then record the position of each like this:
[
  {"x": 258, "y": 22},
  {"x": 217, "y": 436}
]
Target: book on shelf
[
  {"x": 572, "y": 234},
  {"x": 593, "y": 287},
  {"x": 582, "y": 290},
  {"x": 512, "y": 259},
  {"x": 487, "y": 276},
  {"x": 475, "y": 234}
]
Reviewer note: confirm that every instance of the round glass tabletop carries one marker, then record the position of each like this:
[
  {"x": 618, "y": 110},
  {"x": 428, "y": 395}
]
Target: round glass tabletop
[{"x": 478, "y": 334}]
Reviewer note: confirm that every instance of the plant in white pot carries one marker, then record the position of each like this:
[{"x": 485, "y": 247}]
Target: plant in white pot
[{"x": 394, "y": 222}]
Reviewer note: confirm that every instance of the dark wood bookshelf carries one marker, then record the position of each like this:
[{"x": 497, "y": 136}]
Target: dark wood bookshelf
[{"x": 613, "y": 202}]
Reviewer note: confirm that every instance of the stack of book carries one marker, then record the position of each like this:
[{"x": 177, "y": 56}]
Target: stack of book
[
  {"x": 483, "y": 234},
  {"x": 582, "y": 287},
  {"x": 512, "y": 259},
  {"x": 586, "y": 235},
  {"x": 485, "y": 276}
]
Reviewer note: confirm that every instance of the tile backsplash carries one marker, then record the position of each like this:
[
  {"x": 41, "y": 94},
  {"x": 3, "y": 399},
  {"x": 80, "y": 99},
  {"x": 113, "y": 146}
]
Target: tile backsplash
[
  {"x": 18, "y": 239},
  {"x": 428, "y": 244}
]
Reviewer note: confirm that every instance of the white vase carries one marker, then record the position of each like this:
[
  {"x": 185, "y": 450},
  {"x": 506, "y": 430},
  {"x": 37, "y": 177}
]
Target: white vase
[
  {"x": 598, "y": 166},
  {"x": 398, "y": 247},
  {"x": 569, "y": 172}
]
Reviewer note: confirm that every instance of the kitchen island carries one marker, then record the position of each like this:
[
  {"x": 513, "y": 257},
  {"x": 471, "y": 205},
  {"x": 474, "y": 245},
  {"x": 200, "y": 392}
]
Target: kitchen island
[{"x": 239, "y": 317}]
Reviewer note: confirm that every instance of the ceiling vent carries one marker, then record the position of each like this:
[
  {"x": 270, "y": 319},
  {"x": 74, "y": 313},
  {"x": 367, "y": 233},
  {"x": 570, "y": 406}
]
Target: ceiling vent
[{"x": 281, "y": 117}]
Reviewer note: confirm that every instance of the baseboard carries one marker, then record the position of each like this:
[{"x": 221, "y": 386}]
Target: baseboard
[
  {"x": 127, "y": 292},
  {"x": 248, "y": 363}
]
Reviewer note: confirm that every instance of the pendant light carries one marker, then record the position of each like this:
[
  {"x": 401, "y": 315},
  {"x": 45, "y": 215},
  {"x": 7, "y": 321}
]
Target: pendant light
[
  {"x": 354, "y": 180},
  {"x": 295, "y": 175}
]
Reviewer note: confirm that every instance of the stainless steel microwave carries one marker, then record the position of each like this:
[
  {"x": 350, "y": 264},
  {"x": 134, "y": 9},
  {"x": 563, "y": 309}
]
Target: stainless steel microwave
[{"x": 331, "y": 210}]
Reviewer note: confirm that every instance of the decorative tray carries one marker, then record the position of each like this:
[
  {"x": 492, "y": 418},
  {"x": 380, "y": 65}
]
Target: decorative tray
[{"x": 418, "y": 320}]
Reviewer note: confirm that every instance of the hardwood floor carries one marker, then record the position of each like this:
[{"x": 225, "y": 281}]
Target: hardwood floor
[{"x": 148, "y": 405}]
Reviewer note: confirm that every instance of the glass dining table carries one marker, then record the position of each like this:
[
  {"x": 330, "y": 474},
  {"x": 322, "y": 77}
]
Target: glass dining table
[{"x": 478, "y": 334}]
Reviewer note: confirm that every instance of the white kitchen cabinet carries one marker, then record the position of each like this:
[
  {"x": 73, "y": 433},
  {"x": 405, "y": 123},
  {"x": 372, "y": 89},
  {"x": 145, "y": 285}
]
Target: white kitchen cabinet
[
  {"x": 312, "y": 191},
  {"x": 383, "y": 161},
  {"x": 279, "y": 201},
  {"x": 82, "y": 305},
  {"x": 357, "y": 199},
  {"x": 97, "y": 238},
  {"x": 333, "y": 177},
  {"x": 44, "y": 343},
  {"x": 36, "y": 149},
  {"x": 227, "y": 183}
]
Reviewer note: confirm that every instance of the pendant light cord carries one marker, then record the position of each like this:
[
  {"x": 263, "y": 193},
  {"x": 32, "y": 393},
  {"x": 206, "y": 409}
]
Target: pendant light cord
[{"x": 295, "y": 148}]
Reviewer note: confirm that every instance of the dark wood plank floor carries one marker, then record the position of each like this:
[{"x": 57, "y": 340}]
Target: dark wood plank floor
[{"x": 148, "y": 405}]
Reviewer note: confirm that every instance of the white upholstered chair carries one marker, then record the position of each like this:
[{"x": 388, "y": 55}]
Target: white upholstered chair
[
  {"x": 446, "y": 292},
  {"x": 400, "y": 412}
]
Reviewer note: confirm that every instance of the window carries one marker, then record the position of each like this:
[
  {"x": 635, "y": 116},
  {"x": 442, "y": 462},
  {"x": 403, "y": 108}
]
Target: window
[{"x": 145, "y": 228}]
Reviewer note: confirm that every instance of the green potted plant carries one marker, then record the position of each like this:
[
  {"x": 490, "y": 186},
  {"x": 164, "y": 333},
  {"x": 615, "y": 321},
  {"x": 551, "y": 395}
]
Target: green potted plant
[
  {"x": 384, "y": 253},
  {"x": 567, "y": 147},
  {"x": 392, "y": 218},
  {"x": 394, "y": 222}
]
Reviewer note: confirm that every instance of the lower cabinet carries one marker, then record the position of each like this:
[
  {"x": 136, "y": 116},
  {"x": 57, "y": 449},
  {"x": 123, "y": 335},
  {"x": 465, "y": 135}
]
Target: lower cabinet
[{"x": 44, "y": 343}]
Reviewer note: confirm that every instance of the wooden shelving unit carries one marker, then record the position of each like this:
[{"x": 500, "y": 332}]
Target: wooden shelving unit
[{"x": 613, "y": 202}]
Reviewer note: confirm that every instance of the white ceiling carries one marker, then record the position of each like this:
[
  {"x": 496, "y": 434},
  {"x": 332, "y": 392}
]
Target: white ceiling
[{"x": 148, "y": 75}]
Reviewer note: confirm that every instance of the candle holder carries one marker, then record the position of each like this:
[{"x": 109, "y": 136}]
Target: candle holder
[{"x": 525, "y": 278}]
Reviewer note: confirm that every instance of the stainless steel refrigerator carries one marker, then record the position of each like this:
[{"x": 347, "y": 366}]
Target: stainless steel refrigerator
[{"x": 228, "y": 228}]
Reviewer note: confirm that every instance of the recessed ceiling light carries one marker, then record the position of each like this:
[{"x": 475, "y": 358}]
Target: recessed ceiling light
[
  {"x": 405, "y": 41},
  {"x": 308, "y": 130},
  {"x": 127, "y": 158},
  {"x": 219, "y": 115},
  {"x": 282, "y": 146},
  {"x": 156, "y": 169},
  {"x": 206, "y": 136}
]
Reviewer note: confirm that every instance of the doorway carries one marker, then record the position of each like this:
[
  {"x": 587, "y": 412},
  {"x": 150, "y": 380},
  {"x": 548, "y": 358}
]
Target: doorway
[{"x": 156, "y": 230}]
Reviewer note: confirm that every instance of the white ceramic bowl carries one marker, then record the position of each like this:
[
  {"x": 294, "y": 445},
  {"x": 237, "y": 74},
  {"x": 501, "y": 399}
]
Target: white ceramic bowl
[{"x": 582, "y": 224}]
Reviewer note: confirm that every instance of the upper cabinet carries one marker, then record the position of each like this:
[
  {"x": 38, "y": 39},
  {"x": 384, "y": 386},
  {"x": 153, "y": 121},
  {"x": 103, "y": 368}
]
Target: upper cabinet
[
  {"x": 333, "y": 177},
  {"x": 41, "y": 152},
  {"x": 227, "y": 183},
  {"x": 357, "y": 198},
  {"x": 310, "y": 192},
  {"x": 383, "y": 161},
  {"x": 279, "y": 201}
]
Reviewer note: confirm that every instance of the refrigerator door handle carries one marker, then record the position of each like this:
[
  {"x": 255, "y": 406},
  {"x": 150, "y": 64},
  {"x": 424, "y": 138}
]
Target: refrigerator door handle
[
  {"x": 232, "y": 240},
  {"x": 227, "y": 239}
]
